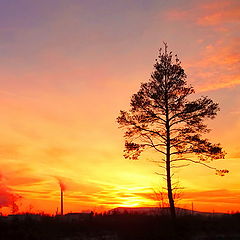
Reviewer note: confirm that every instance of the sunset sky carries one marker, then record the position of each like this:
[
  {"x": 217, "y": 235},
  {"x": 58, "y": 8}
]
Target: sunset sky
[{"x": 67, "y": 67}]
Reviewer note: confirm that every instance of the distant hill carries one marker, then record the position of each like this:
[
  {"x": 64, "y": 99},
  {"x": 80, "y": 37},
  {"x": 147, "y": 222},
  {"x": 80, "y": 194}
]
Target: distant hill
[{"x": 157, "y": 211}]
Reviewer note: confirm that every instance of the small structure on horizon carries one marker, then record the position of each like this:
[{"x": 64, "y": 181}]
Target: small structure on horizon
[
  {"x": 61, "y": 202},
  {"x": 62, "y": 190}
]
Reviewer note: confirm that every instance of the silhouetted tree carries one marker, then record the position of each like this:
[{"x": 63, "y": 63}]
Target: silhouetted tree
[{"x": 163, "y": 119}]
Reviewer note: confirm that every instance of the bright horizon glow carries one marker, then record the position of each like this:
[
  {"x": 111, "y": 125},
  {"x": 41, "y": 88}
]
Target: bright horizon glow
[{"x": 68, "y": 68}]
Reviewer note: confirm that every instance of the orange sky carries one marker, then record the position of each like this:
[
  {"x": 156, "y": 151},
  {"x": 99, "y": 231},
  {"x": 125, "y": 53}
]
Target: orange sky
[{"x": 66, "y": 70}]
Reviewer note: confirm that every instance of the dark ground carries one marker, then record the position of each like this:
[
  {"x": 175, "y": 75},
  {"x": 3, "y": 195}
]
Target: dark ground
[{"x": 121, "y": 227}]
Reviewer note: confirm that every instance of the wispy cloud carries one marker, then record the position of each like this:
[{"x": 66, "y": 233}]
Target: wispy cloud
[
  {"x": 217, "y": 65},
  {"x": 208, "y": 13},
  {"x": 216, "y": 13},
  {"x": 211, "y": 196}
]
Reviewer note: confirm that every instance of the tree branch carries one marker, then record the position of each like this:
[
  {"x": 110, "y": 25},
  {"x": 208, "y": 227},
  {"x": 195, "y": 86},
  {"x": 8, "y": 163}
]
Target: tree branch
[{"x": 193, "y": 161}]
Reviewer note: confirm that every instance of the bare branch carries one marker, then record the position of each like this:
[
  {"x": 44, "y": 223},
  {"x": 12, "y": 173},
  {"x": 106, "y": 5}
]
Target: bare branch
[{"x": 193, "y": 161}]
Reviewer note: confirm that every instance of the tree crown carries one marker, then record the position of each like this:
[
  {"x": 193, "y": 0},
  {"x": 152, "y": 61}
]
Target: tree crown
[{"x": 162, "y": 108}]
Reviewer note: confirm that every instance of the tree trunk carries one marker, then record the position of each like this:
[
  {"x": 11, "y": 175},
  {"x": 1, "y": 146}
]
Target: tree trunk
[
  {"x": 168, "y": 166},
  {"x": 169, "y": 188}
]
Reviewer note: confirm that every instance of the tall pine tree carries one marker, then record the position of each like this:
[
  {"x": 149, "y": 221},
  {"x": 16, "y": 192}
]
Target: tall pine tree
[{"x": 162, "y": 118}]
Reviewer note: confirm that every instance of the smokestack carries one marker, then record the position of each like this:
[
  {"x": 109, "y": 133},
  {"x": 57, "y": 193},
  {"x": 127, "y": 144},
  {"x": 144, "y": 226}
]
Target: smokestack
[
  {"x": 62, "y": 190},
  {"x": 61, "y": 202}
]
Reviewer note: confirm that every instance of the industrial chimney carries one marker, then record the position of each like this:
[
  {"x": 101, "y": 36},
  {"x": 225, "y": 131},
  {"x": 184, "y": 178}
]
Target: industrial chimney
[
  {"x": 61, "y": 202},
  {"x": 62, "y": 190}
]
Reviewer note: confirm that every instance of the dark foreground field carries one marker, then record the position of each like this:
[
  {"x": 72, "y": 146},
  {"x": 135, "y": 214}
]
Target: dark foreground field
[{"x": 120, "y": 227}]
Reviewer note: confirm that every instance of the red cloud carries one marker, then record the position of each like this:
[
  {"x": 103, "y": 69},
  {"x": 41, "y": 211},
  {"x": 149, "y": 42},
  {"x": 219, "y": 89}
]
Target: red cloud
[
  {"x": 219, "y": 12},
  {"x": 217, "y": 67},
  {"x": 211, "y": 13},
  {"x": 7, "y": 197},
  {"x": 216, "y": 18}
]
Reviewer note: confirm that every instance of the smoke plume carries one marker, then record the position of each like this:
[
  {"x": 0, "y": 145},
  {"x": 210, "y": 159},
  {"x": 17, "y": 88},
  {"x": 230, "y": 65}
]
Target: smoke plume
[
  {"x": 61, "y": 184},
  {"x": 7, "y": 197}
]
